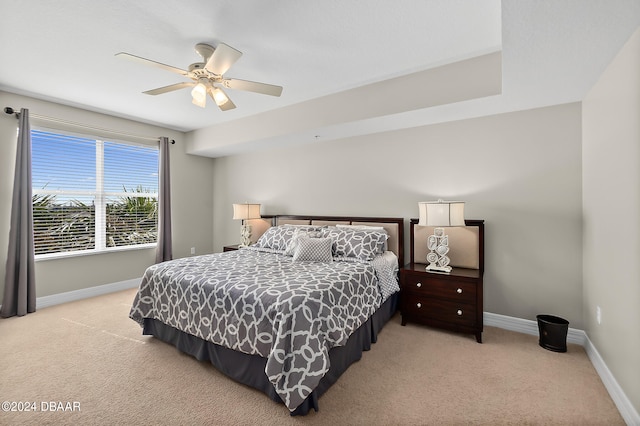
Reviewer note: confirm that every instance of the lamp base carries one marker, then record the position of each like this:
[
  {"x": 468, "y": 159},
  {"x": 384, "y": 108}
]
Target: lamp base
[
  {"x": 245, "y": 234},
  {"x": 436, "y": 268}
]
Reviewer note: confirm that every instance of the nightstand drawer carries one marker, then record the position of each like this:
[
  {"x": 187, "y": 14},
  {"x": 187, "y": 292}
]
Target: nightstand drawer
[
  {"x": 441, "y": 310},
  {"x": 458, "y": 291}
]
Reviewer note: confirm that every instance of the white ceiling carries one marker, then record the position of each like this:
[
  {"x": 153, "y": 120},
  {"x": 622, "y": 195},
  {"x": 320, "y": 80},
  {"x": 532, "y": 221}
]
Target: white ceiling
[{"x": 63, "y": 51}]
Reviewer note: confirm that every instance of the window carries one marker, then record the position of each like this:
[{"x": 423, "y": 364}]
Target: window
[{"x": 92, "y": 195}]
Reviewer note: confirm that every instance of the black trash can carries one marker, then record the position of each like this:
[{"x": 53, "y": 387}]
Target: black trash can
[{"x": 553, "y": 332}]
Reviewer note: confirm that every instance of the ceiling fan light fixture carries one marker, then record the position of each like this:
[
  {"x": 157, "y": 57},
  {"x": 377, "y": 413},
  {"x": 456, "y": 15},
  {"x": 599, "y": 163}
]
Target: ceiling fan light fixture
[
  {"x": 219, "y": 96},
  {"x": 199, "y": 95},
  {"x": 207, "y": 75}
]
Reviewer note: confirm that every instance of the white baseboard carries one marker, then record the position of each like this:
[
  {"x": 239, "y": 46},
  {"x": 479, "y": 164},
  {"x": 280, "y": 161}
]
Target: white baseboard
[
  {"x": 84, "y": 293},
  {"x": 626, "y": 409}
]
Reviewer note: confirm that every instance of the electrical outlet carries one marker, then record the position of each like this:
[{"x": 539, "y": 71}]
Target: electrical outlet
[
  {"x": 598, "y": 315},
  {"x": 193, "y": 251}
]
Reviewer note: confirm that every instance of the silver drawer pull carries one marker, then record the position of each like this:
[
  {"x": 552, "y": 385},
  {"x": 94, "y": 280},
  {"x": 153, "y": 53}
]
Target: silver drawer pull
[
  {"x": 459, "y": 311},
  {"x": 419, "y": 285},
  {"x": 459, "y": 291},
  {"x": 419, "y": 305}
]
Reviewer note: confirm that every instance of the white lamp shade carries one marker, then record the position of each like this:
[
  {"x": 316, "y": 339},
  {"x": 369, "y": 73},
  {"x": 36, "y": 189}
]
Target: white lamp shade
[
  {"x": 246, "y": 211},
  {"x": 199, "y": 95},
  {"x": 219, "y": 96},
  {"x": 441, "y": 213}
]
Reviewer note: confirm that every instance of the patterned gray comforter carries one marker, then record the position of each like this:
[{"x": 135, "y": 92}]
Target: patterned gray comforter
[{"x": 264, "y": 304}]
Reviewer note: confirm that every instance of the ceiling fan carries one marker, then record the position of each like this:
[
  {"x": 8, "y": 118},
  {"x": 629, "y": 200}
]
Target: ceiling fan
[{"x": 208, "y": 76}]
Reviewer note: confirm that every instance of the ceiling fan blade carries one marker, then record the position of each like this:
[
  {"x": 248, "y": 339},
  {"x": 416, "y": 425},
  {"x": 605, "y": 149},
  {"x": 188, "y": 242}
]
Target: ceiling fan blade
[
  {"x": 224, "y": 105},
  {"x": 169, "y": 88},
  {"x": 223, "y": 57},
  {"x": 252, "y": 86},
  {"x": 227, "y": 106},
  {"x": 153, "y": 63}
]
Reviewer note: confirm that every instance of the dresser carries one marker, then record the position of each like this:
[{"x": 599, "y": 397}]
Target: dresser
[{"x": 451, "y": 301}]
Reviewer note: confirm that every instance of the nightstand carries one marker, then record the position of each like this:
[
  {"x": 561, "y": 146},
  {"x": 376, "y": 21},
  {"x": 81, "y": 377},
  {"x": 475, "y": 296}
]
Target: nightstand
[
  {"x": 451, "y": 301},
  {"x": 230, "y": 248}
]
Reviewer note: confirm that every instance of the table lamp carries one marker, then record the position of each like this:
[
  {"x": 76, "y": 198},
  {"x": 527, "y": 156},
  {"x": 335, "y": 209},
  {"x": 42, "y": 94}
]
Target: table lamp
[
  {"x": 440, "y": 214},
  {"x": 244, "y": 212}
]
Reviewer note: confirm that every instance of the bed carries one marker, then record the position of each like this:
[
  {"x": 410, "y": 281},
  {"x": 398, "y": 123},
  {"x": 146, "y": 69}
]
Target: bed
[{"x": 287, "y": 315}]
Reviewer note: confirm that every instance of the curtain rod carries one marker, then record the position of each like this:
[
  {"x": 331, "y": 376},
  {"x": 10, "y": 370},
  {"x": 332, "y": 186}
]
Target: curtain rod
[{"x": 12, "y": 111}]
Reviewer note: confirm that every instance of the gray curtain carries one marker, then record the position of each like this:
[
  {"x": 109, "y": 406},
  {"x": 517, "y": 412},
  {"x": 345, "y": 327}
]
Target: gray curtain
[
  {"x": 163, "y": 250},
  {"x": 20, "y": 283}
]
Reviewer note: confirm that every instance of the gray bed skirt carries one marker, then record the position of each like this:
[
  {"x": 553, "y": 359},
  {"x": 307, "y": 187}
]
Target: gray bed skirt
[{"x": 249, "y": 369}]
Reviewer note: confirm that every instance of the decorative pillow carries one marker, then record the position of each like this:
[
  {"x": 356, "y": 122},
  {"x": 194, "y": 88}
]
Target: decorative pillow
[
  {"x": 368, "y": 228},
  {"x": 279, "y": 237},
  {"x": 356, "y": 243},
  {"x": 313, "y": 250},
  {"x": 276, "y": 238},
  {"x": 300, "y": 232}
]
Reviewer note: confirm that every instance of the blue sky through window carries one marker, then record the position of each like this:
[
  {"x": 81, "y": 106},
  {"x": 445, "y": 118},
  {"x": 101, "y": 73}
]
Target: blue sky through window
[
  {"x": 63, "y": 163},
  {"x": 130, "y": 167}
]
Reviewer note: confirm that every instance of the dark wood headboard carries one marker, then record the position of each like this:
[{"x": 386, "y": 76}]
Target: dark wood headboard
[{"x": 394, "y": 226}]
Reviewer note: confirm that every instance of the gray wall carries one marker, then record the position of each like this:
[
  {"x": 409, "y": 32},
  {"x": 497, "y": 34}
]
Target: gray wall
[
  {"x": 192, "y": 197},
  {"x": 520, "y": 172},
  {"x": 611, "y": 178}
]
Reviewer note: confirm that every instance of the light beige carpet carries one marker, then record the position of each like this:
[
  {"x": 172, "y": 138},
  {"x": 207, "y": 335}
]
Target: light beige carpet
[{"x": 89, "y": 352}]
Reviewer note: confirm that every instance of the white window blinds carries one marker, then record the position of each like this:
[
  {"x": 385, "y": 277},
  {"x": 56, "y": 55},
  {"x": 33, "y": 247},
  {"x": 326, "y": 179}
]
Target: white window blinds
[{"x": 92, "y": 195}]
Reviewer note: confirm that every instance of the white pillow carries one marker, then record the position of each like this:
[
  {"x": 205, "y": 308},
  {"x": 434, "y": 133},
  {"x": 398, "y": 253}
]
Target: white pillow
[{"x": 363, "y": 227}]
